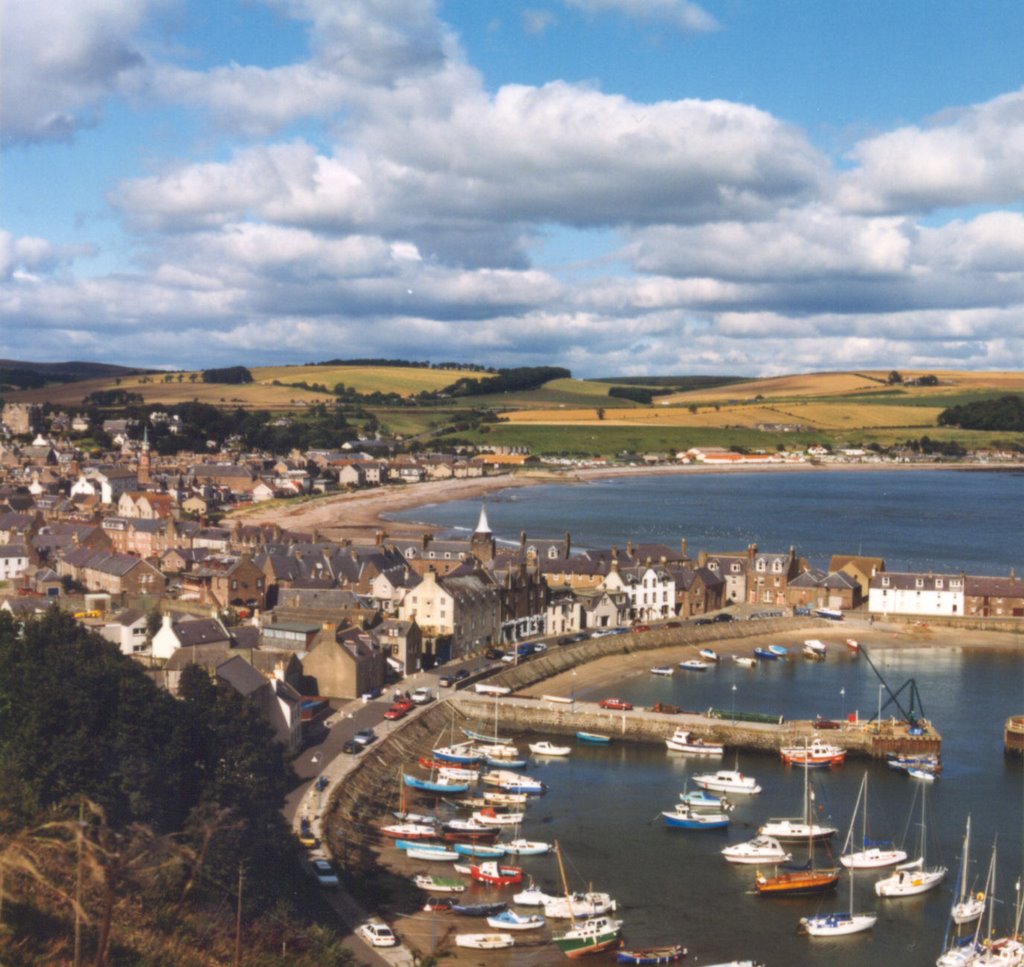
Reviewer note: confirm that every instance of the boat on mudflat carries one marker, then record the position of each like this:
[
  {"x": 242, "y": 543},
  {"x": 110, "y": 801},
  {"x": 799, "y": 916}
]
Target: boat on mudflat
[
  {"x": 765, "y": 654},
  {"x": 510, "y": 920},
  {"x": 593, "y": 738},
  {"x": 494, "y": 874},
  {"x": 708, "y": 654},
  {"x": 650, "y": 955},
  {"x": 409, "y": 831},
  {"x": 589, "y": 936},
  {"x": 439, "y": 884},
  {"x": 484, "y": 941},
  {"x": 694, "y": 665},
  {"x": 479, "y": 850}
]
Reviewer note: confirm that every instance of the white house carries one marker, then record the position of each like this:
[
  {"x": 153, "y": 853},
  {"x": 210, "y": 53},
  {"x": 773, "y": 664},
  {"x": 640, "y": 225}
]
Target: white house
[
  {"x": 925, "y": 595},
  {"x": 651, "y": 589},
  {"x": 127, "y": 630},
  {"x": 13, "y": 561}
]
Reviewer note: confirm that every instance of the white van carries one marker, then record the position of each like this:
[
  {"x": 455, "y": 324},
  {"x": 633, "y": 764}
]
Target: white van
[{"x": 423, "y": 696}]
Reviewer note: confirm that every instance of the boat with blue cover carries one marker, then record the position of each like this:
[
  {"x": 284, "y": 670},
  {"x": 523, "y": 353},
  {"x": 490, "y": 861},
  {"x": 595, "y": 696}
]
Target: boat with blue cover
[
  {"x": 686, "y": 817},
  {"x": 593, "y": 738},
  {"x": 479, "y": 850},
  {"x": 765, "y": 654},
  {"x": 462, "y": 754},
  {"x": 447, "y": 787}
]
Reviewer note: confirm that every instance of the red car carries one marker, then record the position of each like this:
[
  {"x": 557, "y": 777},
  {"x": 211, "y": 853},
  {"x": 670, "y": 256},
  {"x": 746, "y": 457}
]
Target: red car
[
  {"x": 616, "y": 703},
  {"x": 397, "y": 711}
]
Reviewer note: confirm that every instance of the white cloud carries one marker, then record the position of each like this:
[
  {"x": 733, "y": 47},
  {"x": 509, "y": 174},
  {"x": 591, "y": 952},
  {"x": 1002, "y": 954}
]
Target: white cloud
[
  {"x": 61, "y": 61},
  {"x": 682, "y": 14},
  {"x": 537, "y": 21},
  {"x": 973, "y": 156}
]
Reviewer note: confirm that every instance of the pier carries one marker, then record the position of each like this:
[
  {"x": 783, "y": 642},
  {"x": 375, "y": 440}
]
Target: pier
[
  {"x": 1013, "y": 736},
  {"x": 554, "y": 715}
]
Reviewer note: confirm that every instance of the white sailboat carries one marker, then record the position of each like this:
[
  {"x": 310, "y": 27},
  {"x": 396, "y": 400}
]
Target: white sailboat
[
  {"x": 871, "y": 854},
  {"x": 910, "y": 879},
  {"x": 968, "y": 907},
  {"x": 803, "y": 828},
  {"x": 962, "y": 950},
  {"x": 838, "y": 923}
]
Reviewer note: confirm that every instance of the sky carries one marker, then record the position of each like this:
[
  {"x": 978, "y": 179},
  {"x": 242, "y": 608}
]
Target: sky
[{"x": 618, "y": 187}]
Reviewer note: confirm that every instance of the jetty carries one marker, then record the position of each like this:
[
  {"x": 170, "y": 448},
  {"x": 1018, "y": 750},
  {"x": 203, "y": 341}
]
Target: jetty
[
  {"x": 1013, "y": 736},
  {"x": 552, "y": 715}
]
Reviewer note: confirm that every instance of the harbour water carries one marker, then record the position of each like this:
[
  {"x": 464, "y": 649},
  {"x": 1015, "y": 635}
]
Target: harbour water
[{"x": 603, "y": 804}]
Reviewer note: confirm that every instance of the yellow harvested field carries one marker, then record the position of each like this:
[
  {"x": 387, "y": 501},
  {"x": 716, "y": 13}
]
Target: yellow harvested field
[
  {"x": 813, "y": 416},
  {"x": 854, "y": 383}
]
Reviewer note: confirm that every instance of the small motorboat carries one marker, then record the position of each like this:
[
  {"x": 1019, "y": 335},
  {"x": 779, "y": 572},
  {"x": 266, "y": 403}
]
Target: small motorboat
[
  {"x": 765, "y": 654},
  {"x": 484, "y": 941},
  {"x": 853, "y": 644},
  {"x": 650, "y": 955},
  {"x": 728, "y": 780},
  {"x": 506, "y": 798},
  {"x": 409, "y": 831},
  {"x": 694, "y": 665},
  {"x": 479, "y": 850},
  {"x": 816, "y": 754},
  {"x": 686, "y": 817},
  {"x": 683, "y": 740},
  {"x": 510, "y": 920},
  {"x": 431, "y": 855},
  {"x": 461, "y": 754},
  {"x": 526, "y": 847},
  {"x": 923, "y": 775},
  {"x": 760, "y": 849},
  {"x": 593, "y": 738},
  {"x": 666, "y": 670},
  {"x": 779, "y": 651},
  {"x": 488, "y": 817},
  {"x": 709, "y": 654},
  {"x": 532, "y": 896},
  {"x": 815, "y": 649},
  {"x": 478, "y": 909},
  {"x": 549, "y": 748},
  {"x": 578, "y": 905},
  {"x": 744, "y": 660}
]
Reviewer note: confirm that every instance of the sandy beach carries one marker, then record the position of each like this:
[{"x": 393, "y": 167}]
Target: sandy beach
[{"x": 358, "y": 515}]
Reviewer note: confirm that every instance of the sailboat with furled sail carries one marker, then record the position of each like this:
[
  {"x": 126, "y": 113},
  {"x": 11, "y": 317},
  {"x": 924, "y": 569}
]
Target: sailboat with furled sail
[
  {"x": 808, "y": 880},
  {"x": 915, "y": 877},
  {"x": 587, "y": 936}
]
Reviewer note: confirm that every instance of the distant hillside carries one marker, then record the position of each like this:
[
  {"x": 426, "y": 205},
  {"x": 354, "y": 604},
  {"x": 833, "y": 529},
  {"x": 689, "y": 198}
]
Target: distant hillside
[{"x": 21, "y": 374}]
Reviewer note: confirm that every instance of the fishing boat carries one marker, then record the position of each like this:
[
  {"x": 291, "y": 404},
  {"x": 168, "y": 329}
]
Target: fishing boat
[
  {"x": 702, "y": 799},
  {"x": 709, "y": 654},
  {"x": 967, "y": 907},
  {"x": 779, "y": 651},
  {"x": 589, "y": 936},
  {"x": 593, "y": 738},
  {"x": 407, "y": 844},
  {"x": 765, "y": 654},
  {"x": 810, "y": 879},
  {"x": 457, "y": 774},
  {"x": 494, "y": 874},
  {"x": 488, "y": 817},
  {"x": 838, "y": 923},
  {"x": 745, "y": 660},
  {"x": 871, "y": 854},
  {"x": 526, "y": 847},
  {"x": 910, "y": 879},
  {"x": 484, "y": 941},
  {"x": 532, "y": 787},
  {"x": 922, "y": 775},
  {"x": 445, "y": 786},
  {"x": 760, "y": 849},
  {"x": 728, "y": 780},
  {"x": 438, "y": 884},
  {"x": 500, "y": 751},
  {"x": 816, "y": 754},
  {"x": 853, "y": 644},
  {"x": 510, "y": 920},
  {"x": 498, "y": 777},
  {"x": 694, "y": 665},
  {"x": 487, "y": 851},
  {"x": 666, "y": 670},
  {"x": 687, "y": 817},
  {"x": 409, "y": 831},
  {"x": 683, "y": 740},
  {"x": 431, "y": 855},
  {"x": 650, "y": 955},
  {"x": 549, "y": 748}
]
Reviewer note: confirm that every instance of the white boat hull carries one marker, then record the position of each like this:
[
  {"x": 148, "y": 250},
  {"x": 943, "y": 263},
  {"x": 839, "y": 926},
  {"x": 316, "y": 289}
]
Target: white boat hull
[
  {"x": 763, "y": 849},
  {"x": 837, "y": 924},
  {"x": 910, "y": 882},
  {"x": 873, "y": 859},
  {"x": 969, "y": 909},
  {"x": 785, "y": 830},
  {"x": 484, "y": 941}
]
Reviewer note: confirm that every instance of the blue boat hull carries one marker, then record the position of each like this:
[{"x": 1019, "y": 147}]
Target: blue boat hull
[
  {"x": 425, "y": 785},
  {"x": 591, "y": 738}
]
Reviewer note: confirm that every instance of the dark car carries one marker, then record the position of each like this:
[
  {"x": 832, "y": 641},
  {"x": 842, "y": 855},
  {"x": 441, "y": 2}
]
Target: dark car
[
  {"x": 703, "y": 621},
  {"x": 724, "y": 616},
  {"x": 461, "y": 675},
  {"x": 352, "y": 747},
  {"x": 493, "y": 654}
]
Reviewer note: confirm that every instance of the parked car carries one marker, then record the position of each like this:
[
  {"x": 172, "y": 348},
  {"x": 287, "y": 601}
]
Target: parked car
[
  {"x": 722, "y": 616},
  {"x": 307, "y": 839},
  {"x": 619, "y": 704},
  {"x": 639, "y": 628},
  {"x": 323, "y": 872},
  {"x": 493, "y": 654},
  {"x": 377, "y": 935},
  {"x": 352, "y": 747},
  {"x": 446, "y": 681},
  {"x": 397, "y": 711},
  {"x": 364, "y": 736},
  {"x": 461, "y": 675},
  {"x": 703, "y": 621}
]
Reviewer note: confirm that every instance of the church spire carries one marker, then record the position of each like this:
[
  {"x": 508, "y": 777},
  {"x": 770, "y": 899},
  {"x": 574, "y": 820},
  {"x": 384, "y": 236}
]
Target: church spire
[{"x": 482, "y": 526}]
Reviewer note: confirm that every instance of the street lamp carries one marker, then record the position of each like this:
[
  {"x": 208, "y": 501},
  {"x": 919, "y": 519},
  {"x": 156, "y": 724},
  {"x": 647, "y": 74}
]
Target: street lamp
[
  {"x": 734, "y": 704},
  {"x": 842, "y": 695},
  {"x": 315, "y": 761},
  {"x": 880, "y": 687}
]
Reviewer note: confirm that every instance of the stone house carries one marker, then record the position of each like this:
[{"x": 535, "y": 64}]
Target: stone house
[
  {"x": 402, "y": 643},
  {"x": 226, "y": 581},
  {"x": 994, "y": 597},
  {"x": 344, "y": 664},
  {"x": 699, "y": 590},
  {"x": 116, "y": 574}
]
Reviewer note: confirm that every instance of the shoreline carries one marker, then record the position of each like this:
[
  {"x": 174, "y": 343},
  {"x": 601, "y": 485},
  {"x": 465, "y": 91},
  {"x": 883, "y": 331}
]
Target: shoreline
[{"x": 359, "y": 515}]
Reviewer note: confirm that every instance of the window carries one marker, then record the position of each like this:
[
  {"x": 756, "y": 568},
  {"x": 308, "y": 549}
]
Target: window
[
  {"x": 938, "y": 584},
  {"x": 885, "y": 582},
  {"x": 761, "y": 565},
  {"x": 918, "y": 582}
]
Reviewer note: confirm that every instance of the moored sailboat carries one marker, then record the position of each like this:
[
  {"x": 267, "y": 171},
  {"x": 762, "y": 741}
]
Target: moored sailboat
[
  {"x": 910, "y": 879},
  {"x": 872, "y": 854}
]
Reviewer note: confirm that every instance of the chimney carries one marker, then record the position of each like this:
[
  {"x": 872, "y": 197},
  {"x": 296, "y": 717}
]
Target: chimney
[
  {"x": 378, "y": 537},
  {"x": 682, "y": 549},
  {"x": 702, "y": 558},
  {"x": 568, "y": 544},
  {"x": 629, "y": 548}
]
